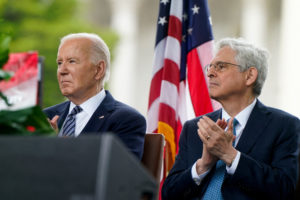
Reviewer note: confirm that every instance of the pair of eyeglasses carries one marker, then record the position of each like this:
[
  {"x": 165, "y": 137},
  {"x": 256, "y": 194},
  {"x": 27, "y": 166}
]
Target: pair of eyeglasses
[{"x": 219, "y": 66}]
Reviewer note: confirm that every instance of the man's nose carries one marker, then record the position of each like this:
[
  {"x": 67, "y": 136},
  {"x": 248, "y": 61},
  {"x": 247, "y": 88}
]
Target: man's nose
[
  {"x": 62, "y": 68},
  {"x": 211, "y": 72}
]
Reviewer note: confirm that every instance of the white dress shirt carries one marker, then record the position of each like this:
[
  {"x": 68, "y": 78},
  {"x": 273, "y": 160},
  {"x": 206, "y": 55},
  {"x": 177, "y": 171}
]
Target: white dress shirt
[
  {"x": 88, "y": 109},
  {"x": 242, "y": 118}
]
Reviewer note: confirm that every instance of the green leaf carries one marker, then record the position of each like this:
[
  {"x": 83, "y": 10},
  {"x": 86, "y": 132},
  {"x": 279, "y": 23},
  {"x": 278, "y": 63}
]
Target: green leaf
[
  {"x": 4, "y": 48},
  {"x": 5, "y": 75},
  {"x": 28, "y": 121},
  {"x": 2, "y": 96}
]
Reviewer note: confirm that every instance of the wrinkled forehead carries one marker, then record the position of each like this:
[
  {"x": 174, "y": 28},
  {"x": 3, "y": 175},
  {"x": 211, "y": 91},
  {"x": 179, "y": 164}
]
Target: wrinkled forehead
[
  {"x": 225, "y": 54},
  {"x": 75, "y": 46}
]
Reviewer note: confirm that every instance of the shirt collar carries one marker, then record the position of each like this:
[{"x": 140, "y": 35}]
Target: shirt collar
[
  {"x": 90, "y": 105},
  {"x": 243, "y": 116}
]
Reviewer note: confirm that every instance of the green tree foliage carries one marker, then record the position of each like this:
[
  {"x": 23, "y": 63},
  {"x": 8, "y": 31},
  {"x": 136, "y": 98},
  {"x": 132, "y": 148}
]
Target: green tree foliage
[{"x": 37, "y": 25}]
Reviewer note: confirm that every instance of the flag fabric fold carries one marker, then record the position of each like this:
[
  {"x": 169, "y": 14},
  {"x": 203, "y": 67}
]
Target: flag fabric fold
[{"x": 22, "y": 88}]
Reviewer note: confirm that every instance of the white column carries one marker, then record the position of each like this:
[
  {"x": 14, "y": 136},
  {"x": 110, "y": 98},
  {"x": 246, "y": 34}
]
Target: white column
[
  {"x": 289, "y": 66},
  {"x": 254, "y": 20},
  {"x": 124, "y": 21},
  {"x": 259, "y": 27}
]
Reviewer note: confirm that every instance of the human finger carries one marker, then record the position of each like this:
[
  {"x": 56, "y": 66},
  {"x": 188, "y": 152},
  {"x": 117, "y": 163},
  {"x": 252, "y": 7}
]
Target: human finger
[
  {"x": 229, "y": 133},
  {"x": 204, "y": 138},
  {"x": 230, "y": 126},
  {"x": 202, "y": 127},
  {"x": 53, "y": 122},
  {"x": 202, "y": 131},
  {"x": 222, "y": 123},
  {"x": 203, "y": 123},
  {"x": 206, "y": 128},
  {"x": 212, "y": 125}
]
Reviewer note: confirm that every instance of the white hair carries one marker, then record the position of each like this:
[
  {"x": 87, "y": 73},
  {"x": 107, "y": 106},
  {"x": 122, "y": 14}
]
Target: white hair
[
  {"x": 99, "y": 50},
  {"x": 248, "y": 55}
]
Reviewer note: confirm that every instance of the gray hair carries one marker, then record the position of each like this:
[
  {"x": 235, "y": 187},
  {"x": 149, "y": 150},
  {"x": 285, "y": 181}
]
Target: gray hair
[
  {"x": 248, "y": 55},
  {"x": 100, "y": 50}
]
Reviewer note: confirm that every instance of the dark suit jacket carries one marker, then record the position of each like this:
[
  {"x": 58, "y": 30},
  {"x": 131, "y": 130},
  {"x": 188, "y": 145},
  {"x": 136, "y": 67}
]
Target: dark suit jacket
[
  {"x": 111, "y": 116},
  {"x": 268, "y": 164}
]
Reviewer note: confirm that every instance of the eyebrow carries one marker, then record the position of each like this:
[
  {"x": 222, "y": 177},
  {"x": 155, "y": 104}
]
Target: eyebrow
[
  {"x": 69, "y": 58},
  {"x": 222, "y": 62}
]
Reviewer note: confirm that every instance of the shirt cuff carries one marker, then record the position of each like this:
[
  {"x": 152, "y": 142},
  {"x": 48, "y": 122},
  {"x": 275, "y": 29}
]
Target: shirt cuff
[
  {"x": 198, "y": 178},
  {"x": 230, "y": 170}
]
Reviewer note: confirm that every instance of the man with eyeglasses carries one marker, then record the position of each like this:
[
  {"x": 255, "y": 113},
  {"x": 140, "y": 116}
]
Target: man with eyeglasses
[{"x": 245, "y": 150}]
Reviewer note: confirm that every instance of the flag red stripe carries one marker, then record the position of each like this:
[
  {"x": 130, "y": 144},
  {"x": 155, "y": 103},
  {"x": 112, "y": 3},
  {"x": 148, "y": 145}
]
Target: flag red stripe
[
  {"x": 200, "y": 97},
  {"x": 168, "y": 115},
  {"x": 171, "y": 72},
  {"x": 155, "y": 87},
  {"x": 175, "y": 28}
]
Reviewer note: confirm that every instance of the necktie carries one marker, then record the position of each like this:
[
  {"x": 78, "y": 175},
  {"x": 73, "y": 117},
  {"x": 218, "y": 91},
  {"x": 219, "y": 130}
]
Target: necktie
[
  {"x": 213, "y": 190},
  {"x": 235, "y": 123},
  {"x": 69, "y": 126}
]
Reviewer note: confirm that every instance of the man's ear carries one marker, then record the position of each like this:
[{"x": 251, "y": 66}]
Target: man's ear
[
  {"x": 100, "y": 70},
  {"x": 251, "y": 76}
]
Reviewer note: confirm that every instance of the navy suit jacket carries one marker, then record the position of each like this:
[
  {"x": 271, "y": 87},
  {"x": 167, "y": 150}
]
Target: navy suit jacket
[
  {"x": 267, "y": 168},
  {"x": 111, "y": 116}
]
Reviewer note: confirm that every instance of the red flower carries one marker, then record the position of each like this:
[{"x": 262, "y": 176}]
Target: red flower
[{"x": 30, "y": 128}]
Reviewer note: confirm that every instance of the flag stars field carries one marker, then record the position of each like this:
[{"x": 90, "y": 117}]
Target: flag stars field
[
  {"x": 162, "y": 21},
  {"x": 183, "y": 38},
  {"x": 164, "y": 2},
  {"x": 190, "y": 31},
  {"x": 195, "y": 9},
  {"x": 184, "y": 17}
]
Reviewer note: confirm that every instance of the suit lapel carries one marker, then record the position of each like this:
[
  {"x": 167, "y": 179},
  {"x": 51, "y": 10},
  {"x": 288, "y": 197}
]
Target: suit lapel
[
  {"x": 258, "y": 120},
  {"x": 100, "y": 115},
  {"x": 215, "y": 115},
  {"x": 62, "y": 115}
]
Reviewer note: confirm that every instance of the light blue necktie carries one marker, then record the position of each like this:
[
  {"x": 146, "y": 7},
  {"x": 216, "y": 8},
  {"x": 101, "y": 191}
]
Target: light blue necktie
[
  {"x": 213, "y": 191},
  {"x": 69, "y": 126}
]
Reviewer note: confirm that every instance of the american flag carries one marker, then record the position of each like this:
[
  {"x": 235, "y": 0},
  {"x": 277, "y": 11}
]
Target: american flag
[{"x": 178, "y": 90}]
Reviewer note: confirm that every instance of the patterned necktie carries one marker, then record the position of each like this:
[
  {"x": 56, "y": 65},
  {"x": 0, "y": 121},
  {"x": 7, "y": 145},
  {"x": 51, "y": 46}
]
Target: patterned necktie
[
  {"x": 213, "y": 191},
  {"x": 69, "y": 126}
]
